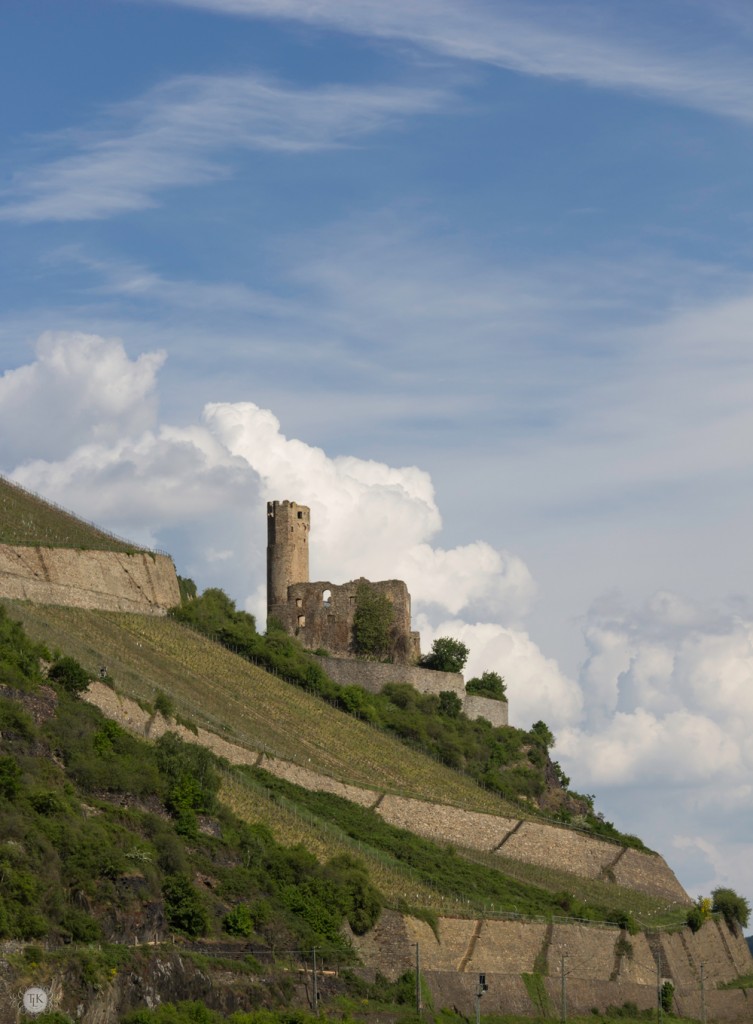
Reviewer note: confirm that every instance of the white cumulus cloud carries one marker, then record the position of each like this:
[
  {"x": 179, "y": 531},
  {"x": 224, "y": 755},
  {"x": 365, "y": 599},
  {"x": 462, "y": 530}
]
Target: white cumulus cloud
[{"x": 88, "y": 388}]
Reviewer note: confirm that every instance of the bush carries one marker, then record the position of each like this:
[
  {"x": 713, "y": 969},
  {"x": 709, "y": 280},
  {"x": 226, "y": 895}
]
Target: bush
[
  {"x": 734, "y": 908},
  {"x": 488, "y": 684},
  {"x": 164, "y": 705},
  {"x": 698, "y": 913},
  {"x": 450, "y": 704},
  {"x": 667, "y": 996},
  {"x": 239, "y": 921},
  {"x": 624, "y": 919},
  {"x": 447, "y": 655},
  {"x": 68, "y": 674},
  {"x": 10, "y": 778}
]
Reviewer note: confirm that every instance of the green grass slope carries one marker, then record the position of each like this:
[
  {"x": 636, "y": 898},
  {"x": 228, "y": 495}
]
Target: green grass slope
[
  {"x": 26, "y": 519},
  {"x": 226, "y": 694}
]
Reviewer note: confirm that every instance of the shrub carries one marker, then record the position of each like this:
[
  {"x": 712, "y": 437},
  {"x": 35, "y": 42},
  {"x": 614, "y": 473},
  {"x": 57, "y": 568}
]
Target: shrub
[
  {"x": 450, "y": 704},
  {"x": 488, "y": 684},
  {"x": 164, "y": 705},
  {"x": 734, "y": 908},
  {"x": 10, "y": 778},
  {"x": 239, "y": 921},
  {"x": 667, "y": 996},
  {"x": 447, "y": 655},
  {"x": 698, "y": 913},
  {"x": 68, "y": 674},
  {"x": 624, "y": 919}
]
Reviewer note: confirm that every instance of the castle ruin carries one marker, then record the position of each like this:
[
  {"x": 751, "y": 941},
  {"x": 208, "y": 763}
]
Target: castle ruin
[{"x": 320, "y": 614}]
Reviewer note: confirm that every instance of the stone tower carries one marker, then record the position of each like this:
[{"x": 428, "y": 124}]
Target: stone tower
[{"x": 288, "y": 527}]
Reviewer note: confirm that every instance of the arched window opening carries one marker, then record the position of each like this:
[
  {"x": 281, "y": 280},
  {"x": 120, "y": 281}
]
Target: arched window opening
[{"x": 327, "y": 598}]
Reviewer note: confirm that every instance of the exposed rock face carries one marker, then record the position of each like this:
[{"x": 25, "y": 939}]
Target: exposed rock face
[{"x": 106, "y": 580}]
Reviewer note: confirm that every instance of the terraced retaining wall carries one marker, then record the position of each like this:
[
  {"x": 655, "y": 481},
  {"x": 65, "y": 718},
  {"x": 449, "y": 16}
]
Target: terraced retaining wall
[
  {"x": 517, "y": 839},
  {"x": 106, "y": 580},
  {"x": 524, "y": 960},
  {"x": 373, "y": 676}
]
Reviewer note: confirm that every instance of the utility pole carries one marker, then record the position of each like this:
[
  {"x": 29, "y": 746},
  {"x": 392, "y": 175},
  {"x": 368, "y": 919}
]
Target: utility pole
[
  {"x": 316, "y": 986},
  {"x": 418, "y": 980},
  {"x": 703, "y": 993},
  {"x": 563, "y": 989}
]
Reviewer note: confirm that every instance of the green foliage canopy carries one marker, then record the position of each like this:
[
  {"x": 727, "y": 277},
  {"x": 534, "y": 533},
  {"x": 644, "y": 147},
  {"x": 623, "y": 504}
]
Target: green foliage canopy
[
  {"x": 447, "y": 655},
  {"x": 67, "y": 672},
  {"x": 488, "y": 684},
  {"x": 734, "y": 908},
  {"x": 373, "y": 623}
]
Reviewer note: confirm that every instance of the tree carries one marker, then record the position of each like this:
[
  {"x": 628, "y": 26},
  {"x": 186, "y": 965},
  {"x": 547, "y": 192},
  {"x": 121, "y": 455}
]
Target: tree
[
  {"x": 373, "y": 623},
  {"x": 447, "y": 655},
  {"x": 541, "y": 731},
  {"x": 734, "y": 908},
  {"x": 488, "y": 684}
]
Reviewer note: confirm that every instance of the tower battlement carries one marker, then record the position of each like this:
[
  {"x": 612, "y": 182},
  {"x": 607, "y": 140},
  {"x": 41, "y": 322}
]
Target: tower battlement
[{"x": 288, "y": 525}]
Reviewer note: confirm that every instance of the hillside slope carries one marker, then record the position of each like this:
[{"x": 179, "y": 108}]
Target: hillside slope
[
  {"x": 27, "y": 519},
  {"x": 310, "y": 743}
]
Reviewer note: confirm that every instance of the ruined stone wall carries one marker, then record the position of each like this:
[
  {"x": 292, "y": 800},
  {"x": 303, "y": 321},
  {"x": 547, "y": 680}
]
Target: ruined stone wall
[
  {"x": 321, "y": 615},
  {"x": 105, "y": 580}
]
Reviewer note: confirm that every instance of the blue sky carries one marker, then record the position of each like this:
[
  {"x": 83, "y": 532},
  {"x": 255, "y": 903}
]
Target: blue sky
[{"x": 473, "y": 281}]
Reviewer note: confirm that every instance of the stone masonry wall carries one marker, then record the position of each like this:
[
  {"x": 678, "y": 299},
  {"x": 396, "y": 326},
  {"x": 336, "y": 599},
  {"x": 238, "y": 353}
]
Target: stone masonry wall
[
  {"x": 597, "y": 972},
  {"x": 321, "y": 615},
  {"x": 537, "y": 843},
  {"x": 373, "y": 676},
  {"x": 105, "y": 580}
]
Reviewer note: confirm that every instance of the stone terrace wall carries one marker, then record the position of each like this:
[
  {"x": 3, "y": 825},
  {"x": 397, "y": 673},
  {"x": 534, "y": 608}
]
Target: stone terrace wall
[
  {"x": 503, "y": 950},
  {"x": 596, "y": 976},
  {"x": 517, "y": 839},
  {"x": 104, "y": 580},
  {"x": 373, "y": 676},
  {"x": 494, "y": 711}
]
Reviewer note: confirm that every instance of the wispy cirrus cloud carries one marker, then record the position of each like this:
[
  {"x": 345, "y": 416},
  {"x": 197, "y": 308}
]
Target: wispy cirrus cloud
[
  {"x": 185, "y": 131},
  {"x": 562, "y": 41}
]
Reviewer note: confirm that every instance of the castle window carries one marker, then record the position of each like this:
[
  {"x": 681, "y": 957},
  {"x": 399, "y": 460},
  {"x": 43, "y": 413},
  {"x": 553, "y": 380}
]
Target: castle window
[
  {"x": 300, "y": 515},
  {"x": 299, "y": 602},
  {"x": 327, "y": 598},
  {"x": 301, "y": 621}
]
